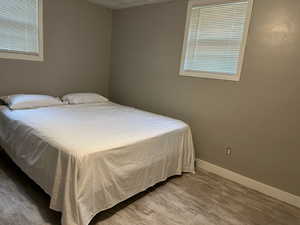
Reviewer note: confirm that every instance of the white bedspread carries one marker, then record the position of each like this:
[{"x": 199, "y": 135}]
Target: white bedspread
[{"x": 90, "y": 157}]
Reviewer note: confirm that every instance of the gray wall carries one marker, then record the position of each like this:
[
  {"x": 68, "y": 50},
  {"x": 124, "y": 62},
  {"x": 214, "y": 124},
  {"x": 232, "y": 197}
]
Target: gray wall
[
  {"x": 77, "y": 41},
  {"x": 258, "y": 117}
]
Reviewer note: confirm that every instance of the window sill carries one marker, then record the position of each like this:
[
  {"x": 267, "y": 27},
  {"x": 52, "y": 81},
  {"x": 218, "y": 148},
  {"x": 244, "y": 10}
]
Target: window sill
[
  {"x": 6, "y": 55},
  {"x": 210, "y": 75}
]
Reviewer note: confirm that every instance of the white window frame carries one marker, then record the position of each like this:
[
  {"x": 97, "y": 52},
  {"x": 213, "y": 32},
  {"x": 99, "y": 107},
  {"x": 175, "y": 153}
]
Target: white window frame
[
  {"x": 27, "y": 56},
  {"x": 214, "y": 75}
]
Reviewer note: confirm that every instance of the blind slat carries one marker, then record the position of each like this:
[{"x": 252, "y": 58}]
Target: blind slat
[
  {"x": 19, "y": 26},
  {"x": 215, "y": 37}
]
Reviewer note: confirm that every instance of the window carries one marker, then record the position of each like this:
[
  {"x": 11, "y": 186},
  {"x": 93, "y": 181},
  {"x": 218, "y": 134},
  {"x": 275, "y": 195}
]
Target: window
[
  {"x": 21, "y": 35},
  {"x": 215, "y": 38}
]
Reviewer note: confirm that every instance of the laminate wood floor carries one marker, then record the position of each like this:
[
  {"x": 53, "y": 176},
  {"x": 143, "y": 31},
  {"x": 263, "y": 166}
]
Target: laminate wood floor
[{"x": 200, "y": 199}]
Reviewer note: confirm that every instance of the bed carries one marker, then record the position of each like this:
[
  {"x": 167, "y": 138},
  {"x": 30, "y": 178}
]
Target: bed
[{"x": 90, "y": 157}]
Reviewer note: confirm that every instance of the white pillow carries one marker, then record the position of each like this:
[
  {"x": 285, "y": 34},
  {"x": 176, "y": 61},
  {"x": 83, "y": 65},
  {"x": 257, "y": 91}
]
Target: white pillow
[
  {"x": 30, "y": 101},
  {"x": 83, "y": 98}
]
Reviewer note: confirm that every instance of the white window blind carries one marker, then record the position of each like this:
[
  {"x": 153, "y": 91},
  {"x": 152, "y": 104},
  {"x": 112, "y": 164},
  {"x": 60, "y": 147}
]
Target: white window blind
[
  {"x": 19, "y": 26},
  {"x": 215, "y": 38}
]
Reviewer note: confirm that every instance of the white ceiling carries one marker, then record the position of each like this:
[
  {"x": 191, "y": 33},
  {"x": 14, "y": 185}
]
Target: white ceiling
[{"x": 120, "y": 4}]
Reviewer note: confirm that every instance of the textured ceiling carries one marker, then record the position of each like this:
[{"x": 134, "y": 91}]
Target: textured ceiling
[{"x": 120, "y": 4}]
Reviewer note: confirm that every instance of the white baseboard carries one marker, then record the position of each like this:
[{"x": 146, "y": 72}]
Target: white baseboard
[{"x": 250, "y": 183}]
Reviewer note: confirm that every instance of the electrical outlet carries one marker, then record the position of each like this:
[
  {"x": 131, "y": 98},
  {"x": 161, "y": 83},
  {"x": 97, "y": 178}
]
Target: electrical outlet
[{"x": 228, "y": 151}]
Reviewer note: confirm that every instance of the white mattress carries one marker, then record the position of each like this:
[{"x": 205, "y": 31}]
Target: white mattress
[{"x": 90, "y": 157}]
